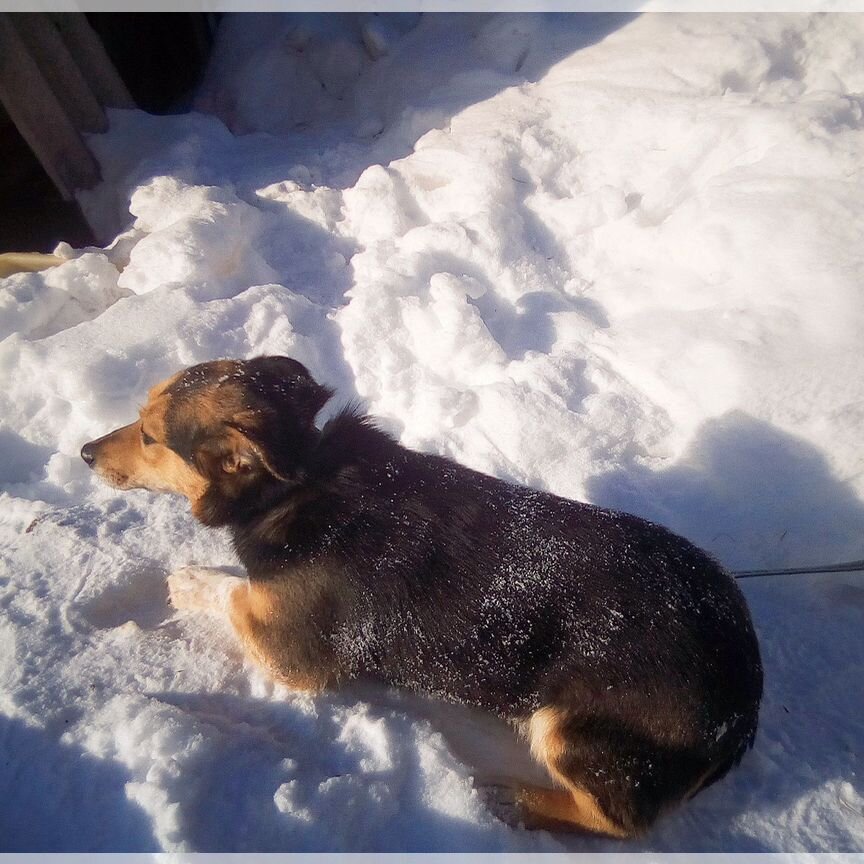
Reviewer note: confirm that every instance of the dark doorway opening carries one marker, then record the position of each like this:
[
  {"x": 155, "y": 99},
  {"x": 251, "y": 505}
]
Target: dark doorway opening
[{"x": 161, "y": 58}]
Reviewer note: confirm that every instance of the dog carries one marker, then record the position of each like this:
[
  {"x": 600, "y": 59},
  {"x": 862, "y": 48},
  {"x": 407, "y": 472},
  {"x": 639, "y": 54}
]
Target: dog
[{"x": 624, "y": 654}]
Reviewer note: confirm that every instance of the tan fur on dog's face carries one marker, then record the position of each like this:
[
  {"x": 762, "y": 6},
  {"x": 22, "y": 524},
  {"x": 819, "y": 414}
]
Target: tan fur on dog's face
[
  {"x": 216, "y": 433},
  {"x": 137, "y": 456}
]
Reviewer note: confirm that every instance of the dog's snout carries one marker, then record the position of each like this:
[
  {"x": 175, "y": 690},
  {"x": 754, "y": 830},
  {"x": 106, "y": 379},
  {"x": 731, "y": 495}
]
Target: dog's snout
[{"x": 88, "y": 453}]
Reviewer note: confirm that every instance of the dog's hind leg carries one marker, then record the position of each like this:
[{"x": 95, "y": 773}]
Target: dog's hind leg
[
  {"x": 570, "y": 807},
  {"x": 565, "y": 809}
]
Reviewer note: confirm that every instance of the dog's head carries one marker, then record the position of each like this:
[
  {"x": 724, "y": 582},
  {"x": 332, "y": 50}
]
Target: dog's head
[{"x": 223, "y": 434}]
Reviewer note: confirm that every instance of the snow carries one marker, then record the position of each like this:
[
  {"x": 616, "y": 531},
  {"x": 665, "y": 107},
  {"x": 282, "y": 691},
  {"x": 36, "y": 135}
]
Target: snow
[{"x": 615, "y": 257}]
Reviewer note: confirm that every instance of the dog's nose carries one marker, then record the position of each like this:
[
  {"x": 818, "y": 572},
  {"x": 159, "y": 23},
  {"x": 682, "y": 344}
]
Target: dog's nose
[{"x": 88, "y": 454}]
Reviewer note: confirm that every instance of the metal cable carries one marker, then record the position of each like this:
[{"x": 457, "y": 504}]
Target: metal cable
[{"x": 845, "y": 567}]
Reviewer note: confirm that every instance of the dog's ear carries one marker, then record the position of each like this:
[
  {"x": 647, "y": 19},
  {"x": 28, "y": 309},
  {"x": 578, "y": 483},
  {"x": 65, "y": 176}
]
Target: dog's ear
[
  {"x": 286, "y": 385},
  {"x": 228, "y": 454},
  {"x": 278, "y": 422},
  {"x": 272, "y": 427},
  {"x": 234, "y": 465}
]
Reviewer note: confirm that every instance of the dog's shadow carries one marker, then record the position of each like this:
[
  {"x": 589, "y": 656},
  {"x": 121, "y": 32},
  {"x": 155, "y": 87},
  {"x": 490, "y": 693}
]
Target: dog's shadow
[
  {"x": 752, "y": 495},
  {"x": 357, "y": 759}
]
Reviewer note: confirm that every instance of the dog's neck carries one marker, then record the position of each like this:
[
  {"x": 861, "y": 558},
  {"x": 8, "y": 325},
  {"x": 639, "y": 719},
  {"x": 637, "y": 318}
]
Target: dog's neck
[
  {"x": 349, "y": 437},
  {"x": 293, "y": 516}
]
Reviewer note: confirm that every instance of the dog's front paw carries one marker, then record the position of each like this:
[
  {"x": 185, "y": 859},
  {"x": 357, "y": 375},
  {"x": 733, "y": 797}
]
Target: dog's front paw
[{"x": 201, "y": 588}]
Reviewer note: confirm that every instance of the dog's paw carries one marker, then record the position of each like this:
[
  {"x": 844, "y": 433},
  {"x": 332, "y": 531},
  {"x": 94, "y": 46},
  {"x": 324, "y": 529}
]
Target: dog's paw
[
  {"x": 503, "y": 803},
  {"x": 201, "y": 588}
]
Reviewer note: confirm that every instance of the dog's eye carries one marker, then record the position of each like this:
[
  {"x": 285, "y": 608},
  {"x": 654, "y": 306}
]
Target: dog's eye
[{"x": 146, "y": 438}]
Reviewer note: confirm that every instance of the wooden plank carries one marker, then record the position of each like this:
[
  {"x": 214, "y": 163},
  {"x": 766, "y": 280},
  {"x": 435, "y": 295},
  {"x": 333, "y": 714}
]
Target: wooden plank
[
  {"x": 60, "y": 71},
  {"x": 93, "y": 61},
  {"x": 26, "y": 262},
  {"x": 40, "y": 118}
]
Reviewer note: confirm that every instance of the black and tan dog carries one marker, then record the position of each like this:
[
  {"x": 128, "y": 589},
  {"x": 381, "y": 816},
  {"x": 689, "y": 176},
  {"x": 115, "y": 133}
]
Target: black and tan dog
[{"x": 623, "y": 653}]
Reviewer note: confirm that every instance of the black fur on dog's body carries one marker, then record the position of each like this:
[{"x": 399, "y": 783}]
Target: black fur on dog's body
[{"x": 418, "y": 572}]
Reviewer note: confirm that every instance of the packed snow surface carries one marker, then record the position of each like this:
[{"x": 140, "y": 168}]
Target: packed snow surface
[{"x": 614, "y": 257}]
